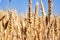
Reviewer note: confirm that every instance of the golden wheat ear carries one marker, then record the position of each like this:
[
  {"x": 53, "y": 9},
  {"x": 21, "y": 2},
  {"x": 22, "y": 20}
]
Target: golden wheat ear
[
  {"x": 42, "y": 8},
  {"x": 50, "y": 7},
  {"x": 30, "y": 6},
  {"x": 49, "y": 10},
  {"x": 36, "y": 8}
]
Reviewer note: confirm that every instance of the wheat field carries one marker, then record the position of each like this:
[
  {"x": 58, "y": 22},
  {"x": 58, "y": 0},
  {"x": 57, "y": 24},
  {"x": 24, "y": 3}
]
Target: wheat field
[{"x": 32, "y": 26}]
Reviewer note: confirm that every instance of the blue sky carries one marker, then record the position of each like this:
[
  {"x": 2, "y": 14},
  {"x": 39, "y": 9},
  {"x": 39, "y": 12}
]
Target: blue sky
[{"x": 22, "y": 5}]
